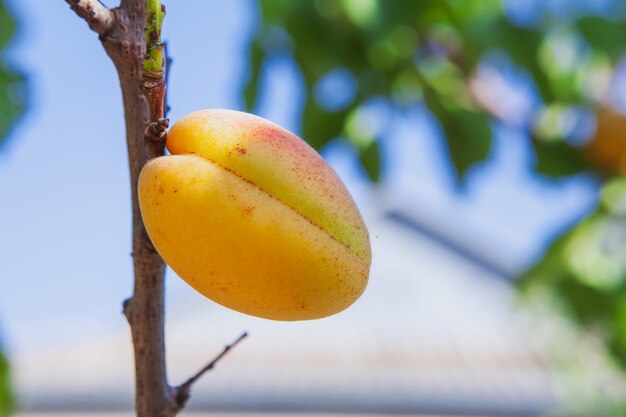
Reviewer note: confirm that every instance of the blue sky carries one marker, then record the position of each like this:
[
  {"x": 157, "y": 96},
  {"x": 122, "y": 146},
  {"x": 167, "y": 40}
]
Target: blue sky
[{"x": 65, "y": 224}]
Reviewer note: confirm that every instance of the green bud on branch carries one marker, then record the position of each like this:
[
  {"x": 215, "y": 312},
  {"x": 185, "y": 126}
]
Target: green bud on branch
[{"x": 154, "y": 58}]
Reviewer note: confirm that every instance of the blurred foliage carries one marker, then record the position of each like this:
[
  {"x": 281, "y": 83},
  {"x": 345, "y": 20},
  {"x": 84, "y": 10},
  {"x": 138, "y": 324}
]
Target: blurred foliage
[
  {"x": 12, "y": 101},
  {"x": 430, "y": 52},
  {"x": 448, "y": 55},
  {"x": 7, "y": 404},
  {"x": 12, "y": 83},
  {"x": 586, "y": 269}
]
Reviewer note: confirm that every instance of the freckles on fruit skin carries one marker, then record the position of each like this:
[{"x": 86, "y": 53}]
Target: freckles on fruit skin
[
  {"x": 243, "y": 248},
  {"x": 278, "y": 162}
]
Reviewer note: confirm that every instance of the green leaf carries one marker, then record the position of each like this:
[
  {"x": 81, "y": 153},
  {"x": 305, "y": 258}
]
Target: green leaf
[
  {"x": 251, "y": 90},
  {"x": 467, "y": 132},
  {"x": 557, "y": 159},
  {"x": 370, "y": 160},
  {"x": 587, "y": 304},
  {"x": 12, "y": 97},
  {"x": 7, "y": 26},
  {"x": 7, "y": 402},
  {"x": 319, "y": 126},
  {"x": 604, "y": 34},
  {"x": 12, "y": 84}
]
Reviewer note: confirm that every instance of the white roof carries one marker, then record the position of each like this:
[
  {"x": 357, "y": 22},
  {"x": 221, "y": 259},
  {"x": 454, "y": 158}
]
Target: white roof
[{"x": 434, "y": 331}]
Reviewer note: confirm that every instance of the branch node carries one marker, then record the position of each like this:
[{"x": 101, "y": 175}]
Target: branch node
[
  {"x": 99, "y": 18},
  {"x": 126, "y": 305},
  {"x": 156, "y": 132},
  {"x": 153, "y": 87}
]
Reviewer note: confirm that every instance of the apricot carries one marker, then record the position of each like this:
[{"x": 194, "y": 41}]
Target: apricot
[
  {"x": 606, "y": 151},
  {"x": 252, "y": 217}
]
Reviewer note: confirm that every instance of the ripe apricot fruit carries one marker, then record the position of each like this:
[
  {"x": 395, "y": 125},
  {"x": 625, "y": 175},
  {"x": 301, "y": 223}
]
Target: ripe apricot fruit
[
  {"x": 606, "y": 151},
  {"x": 252, "y": 217}
]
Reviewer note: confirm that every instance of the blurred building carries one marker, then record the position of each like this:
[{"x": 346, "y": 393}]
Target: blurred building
[{"x": 436, "y": 332}]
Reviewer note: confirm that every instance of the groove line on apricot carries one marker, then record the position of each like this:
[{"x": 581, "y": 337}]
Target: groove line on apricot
[{"x": 278, "y": 200}]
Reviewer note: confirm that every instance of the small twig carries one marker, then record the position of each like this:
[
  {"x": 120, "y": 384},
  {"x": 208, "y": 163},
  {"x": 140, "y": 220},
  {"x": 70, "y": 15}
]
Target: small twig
[
  {"x": 181, "y": 393},
  {"x": 214, "y": 362},
  {"x": 168, "y": 64},
  {"x": 99, "y": 18}
]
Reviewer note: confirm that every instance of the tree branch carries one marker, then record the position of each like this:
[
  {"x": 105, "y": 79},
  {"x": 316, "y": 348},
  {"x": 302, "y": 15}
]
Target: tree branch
[
  {"x": 99, "y": 18},
  {"x": 124, "y": 41},
  {"x": 124, "y": 38},
  {"x": 180, "y": 394}
]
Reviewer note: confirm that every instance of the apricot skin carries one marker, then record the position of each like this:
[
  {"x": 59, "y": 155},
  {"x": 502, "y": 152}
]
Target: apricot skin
[
  {"x": 252, "y": 217},
  {"x": 606, "y": 151}
]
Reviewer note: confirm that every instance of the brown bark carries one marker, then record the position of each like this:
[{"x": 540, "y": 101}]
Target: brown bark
[
  {"x": 145, "y": 310},
  {"x": 97, "y": 16}
]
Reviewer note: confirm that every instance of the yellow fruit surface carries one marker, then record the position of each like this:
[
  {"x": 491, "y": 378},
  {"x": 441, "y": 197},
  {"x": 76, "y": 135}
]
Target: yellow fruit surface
[{"x": 252, "y": 217}]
